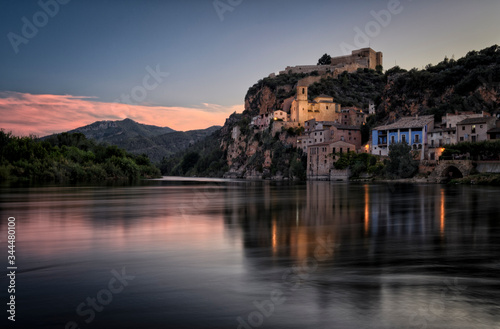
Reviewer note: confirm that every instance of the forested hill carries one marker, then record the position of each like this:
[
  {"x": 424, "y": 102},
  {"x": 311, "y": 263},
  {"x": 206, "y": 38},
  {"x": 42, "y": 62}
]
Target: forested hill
[
  {"x": 471, "y": 83},
  {"x": 136, "y": 138},
  {"x": 68, "y": 158}
]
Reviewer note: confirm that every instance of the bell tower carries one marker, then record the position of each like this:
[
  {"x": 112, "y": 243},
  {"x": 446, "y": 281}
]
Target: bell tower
[{"x": 302, "y": 93}]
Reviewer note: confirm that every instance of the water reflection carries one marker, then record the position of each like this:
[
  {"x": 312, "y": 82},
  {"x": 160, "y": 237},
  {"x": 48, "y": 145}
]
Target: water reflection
[{"x": 344, "y": 255}]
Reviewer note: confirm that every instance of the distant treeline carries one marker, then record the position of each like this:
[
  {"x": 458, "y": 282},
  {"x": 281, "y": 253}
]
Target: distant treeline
[{"x": 68, "y": 158}]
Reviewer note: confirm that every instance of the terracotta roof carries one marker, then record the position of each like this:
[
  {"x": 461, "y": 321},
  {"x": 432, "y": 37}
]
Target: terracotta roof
[
  {"x": 408, "y": 122},
  {"x": 470, "y": 121}
]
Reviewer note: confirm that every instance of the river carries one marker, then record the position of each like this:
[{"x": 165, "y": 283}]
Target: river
[{"x": 202, "y": 253}]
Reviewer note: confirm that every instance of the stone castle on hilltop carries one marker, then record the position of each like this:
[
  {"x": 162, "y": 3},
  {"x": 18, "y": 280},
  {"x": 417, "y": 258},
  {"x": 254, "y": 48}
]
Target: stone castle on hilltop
[{"x": 361, "y": 58}]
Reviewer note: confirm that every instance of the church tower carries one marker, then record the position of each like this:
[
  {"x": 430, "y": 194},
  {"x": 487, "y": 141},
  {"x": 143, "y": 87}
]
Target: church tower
[{"x": 302, "y": 103}]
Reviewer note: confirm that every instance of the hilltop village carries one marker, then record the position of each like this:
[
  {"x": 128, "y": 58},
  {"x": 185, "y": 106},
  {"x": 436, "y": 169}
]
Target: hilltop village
[{"x": 324, "y": 130}]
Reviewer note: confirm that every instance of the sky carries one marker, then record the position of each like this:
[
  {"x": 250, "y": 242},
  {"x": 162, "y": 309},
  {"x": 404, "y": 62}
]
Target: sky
[{"x": 188, "y": 64}]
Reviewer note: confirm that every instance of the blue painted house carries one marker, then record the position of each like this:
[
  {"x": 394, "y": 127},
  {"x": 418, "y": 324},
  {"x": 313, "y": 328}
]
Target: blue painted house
[{"x": 411, "y": 130}]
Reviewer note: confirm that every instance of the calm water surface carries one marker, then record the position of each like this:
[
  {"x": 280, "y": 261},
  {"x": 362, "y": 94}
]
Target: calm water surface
[{"x": 231, "y": 254}]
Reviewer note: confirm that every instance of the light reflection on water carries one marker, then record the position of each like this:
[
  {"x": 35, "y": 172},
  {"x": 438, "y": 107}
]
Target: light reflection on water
[{"x": 204, "y": 253}]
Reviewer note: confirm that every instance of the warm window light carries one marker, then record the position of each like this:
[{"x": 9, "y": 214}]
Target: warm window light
[{"x": 442, "y": 149}]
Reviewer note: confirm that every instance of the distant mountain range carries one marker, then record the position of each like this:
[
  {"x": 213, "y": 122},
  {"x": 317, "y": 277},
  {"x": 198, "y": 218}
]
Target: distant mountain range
[{"x": 155, "y": 142}]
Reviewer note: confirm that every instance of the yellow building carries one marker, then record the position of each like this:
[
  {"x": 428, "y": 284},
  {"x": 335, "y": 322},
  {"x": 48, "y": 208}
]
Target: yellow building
[{"x": 322, "y": 108}]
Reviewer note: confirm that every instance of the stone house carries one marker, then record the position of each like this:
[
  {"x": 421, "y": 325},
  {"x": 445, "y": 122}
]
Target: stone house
[
  {"x": 280, "y": 115},
  {"x": 320, "y": 158},
  {"x": 438, "y": 138},
  {"x": 346, "y": 133},
  {"x": 474, "y": 129},
  {"x": 327, "y": 131},
  {"x": 494, "y": 133},
  {"x": 450, "y": 120},
  {"x": 261, "y": 121},
  {"x": 352, "y": 116}
]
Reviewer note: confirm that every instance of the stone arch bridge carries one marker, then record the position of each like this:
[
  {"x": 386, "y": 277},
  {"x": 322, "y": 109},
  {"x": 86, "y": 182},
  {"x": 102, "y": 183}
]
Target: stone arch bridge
[{"x": 453, "y": 168}]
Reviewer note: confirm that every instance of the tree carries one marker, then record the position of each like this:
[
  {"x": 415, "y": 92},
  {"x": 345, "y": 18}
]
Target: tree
[
  {"x": 401, "y": 163},
  {"x": 189, "y": 161},
  {"x": 325, "y": 60}
]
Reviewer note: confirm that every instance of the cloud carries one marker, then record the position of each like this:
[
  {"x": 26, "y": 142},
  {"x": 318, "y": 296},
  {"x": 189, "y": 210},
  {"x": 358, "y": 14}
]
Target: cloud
[{"x": 41, "y": 115}]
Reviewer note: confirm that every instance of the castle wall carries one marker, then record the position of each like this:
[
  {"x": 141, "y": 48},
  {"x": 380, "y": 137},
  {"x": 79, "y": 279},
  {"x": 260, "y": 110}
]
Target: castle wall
[{"x": 361, "y": 58}]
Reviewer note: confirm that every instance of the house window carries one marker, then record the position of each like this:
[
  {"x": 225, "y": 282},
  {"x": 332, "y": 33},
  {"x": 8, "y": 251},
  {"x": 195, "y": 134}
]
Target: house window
[
  {"x": 432, "y": 142},
  {"x": 473, "y": 138},
  {"x": 440, "y": 134},
  {"x": 334, "y": 150},
  {"x": 473, "y": 129},
  {"x": 403, "y": 138},
  {"x": 327, "y": 107},
  {"x": 463, "y": 127},
  {"x": 481, "y": 126},
  {"x": 417, "y": 138},
  {"x": 461, "y": 139},
  {"x": 303, "y": 90},
  {"x": 392, "y": 140},
  {"x": 340, "y": 150}
]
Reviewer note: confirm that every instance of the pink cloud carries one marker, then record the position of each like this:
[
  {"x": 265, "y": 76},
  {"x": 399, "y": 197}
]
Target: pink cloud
[{"x": 41, "y": 115}]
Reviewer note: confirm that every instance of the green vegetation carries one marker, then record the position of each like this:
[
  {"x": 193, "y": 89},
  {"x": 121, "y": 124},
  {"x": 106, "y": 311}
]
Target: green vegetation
[
  {"x": 351, "y": 89},
  {"x": 68, "y": 158},
  {"x": 478, "y": 179},
  {"x": 359, "y": 163},
  {"x": 325, "y": 60},
  {"x": 205, "y": 158},
  {"x": 401, "y": 162},
  {"x": 485, "y": 150},
  {"x": 467, "y": 84}
]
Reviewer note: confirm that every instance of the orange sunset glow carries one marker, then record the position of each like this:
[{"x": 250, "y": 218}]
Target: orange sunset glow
[{"x": 41, "y": 115}]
